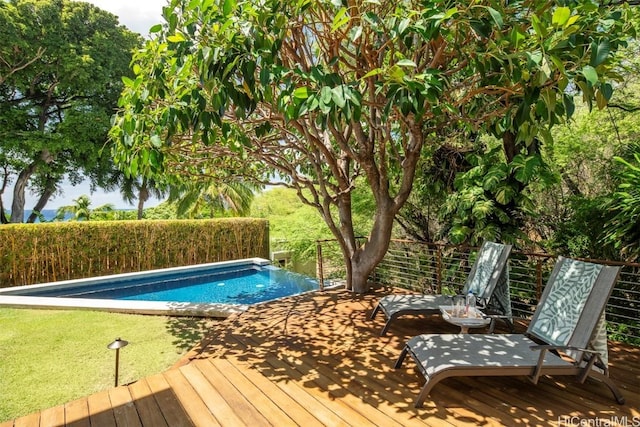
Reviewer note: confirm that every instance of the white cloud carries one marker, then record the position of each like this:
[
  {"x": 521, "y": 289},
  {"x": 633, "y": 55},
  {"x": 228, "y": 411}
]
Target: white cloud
[{"x": 137, "y": 15}]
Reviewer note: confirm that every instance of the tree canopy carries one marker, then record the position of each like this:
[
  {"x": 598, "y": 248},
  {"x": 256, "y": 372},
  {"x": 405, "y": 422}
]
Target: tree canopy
[
  {"x": 61, "y": 64},
  {"x": 319, "y": 94}
]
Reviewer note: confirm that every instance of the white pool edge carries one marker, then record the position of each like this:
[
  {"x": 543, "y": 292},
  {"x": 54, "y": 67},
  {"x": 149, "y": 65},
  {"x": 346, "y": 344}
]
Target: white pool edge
[{"x": 123, "y": 306}]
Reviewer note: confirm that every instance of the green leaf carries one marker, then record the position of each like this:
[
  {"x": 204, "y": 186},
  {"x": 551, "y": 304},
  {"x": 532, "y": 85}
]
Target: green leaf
[
  {"x": 229, "y": 7},
  {"x": 356, "y": 33},
  {"x": 569, "y": 105},
  {"x": 527, "y": 170},
  {"x": 156, "y": 141},
  {"x": 176, "y": 38},
  {"x": 337, "y": 95},
  {"x": 599, "y": 52},
  {"x": 325, "y": 96},
  {"x": 483, "y": 209},
  {"x": 537, "y": 27},
  {"x": 133, "y": 166},
  {"x": 156, "y": 28},
  {"x": 301, "y": 93},
  {"x": 561, "y": 16},
  {"x": 404, "y": 24},
  {"x": 590, "y": 74},
  {"x": 449, "y": 13},
  {"x": 558, "y": 63},
  {"x": 493, "y": 177},
  {"x": 406, "y": 63},
  {"x": 572, "y": 20},
  {"x": 372, "y": 73},
  {"x": 497, "y": 17},
  {"x": 340, "y": 19},
  {"x": 607, "y": 90},
  {"x": 459, "y": 233},
  {"x": 155, "y": 159},
  {"x": 505, "y": 194}
]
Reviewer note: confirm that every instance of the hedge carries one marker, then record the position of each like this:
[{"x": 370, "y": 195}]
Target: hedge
[{"x": 40, "y": 253}]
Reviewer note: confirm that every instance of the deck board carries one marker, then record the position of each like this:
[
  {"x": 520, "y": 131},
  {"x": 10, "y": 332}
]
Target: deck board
[
  {"x": 100, "y": 410},
  {"x": 31, "y": 420},
  {"x": 252, "y": 392},
  {"x": 190, "y": 400},
  {"x": 170, "y": 408},
  {"x": 238, "y": 401},
  {"x": 316, "y": 360},
  {"x": 124, "y": 409},
  {"x": 146, "y": 404},
  {"x": 52, "y": 416},
  {"x": 212, "y": 397},
  {"x": 76, "y": 413}
]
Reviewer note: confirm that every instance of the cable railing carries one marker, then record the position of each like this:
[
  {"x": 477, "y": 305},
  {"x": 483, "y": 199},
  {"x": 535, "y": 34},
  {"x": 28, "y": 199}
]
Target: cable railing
[{"x": 435, "y": 268}]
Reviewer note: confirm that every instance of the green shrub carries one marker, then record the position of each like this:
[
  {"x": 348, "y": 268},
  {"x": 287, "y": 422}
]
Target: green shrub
[{"x": 37, "y": 253}]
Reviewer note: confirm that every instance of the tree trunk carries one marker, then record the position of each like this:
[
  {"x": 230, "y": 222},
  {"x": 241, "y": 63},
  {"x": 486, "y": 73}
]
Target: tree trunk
[
  {"x": 3, "y": 217},
  {"x": 5, "y": 181},
  {"x": 143, "y": 196},
  {"x": 366, "y": 257},
  {"x": 17, "y": 206},
  {"x": 43, "y": 200},
  {"x": 360, "y": 281}
]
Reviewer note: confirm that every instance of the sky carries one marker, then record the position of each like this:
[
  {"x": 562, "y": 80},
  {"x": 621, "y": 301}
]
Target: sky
[{"x": 138, "y": 16}]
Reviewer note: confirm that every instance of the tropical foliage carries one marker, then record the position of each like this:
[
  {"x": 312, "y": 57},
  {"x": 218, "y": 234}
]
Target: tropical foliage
[
  {"x": 81, "y": 210},
  {"x": 623, "y": 228},
  {"x": 319, "y": 94},
  {"x": 61, "y": 64},
  {"x": 197, "y": 198}
]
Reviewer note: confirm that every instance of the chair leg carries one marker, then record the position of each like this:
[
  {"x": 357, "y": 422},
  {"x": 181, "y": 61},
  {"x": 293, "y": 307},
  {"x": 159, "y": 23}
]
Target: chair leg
[
  {"x": 424, "y": 392},
  {"x": 404, "y": 353},
  {"x": 375, "y": 311},
  {"x": 389, "y": 319},
  {"x": 612, "y": 386},
  {"x": 385, "y": 328}
]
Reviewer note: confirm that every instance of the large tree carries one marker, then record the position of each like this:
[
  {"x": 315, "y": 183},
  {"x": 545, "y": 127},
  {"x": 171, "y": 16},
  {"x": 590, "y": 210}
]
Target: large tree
[
  {"x": 316, "y": 94},
  {"x": 61, "y": 64}
]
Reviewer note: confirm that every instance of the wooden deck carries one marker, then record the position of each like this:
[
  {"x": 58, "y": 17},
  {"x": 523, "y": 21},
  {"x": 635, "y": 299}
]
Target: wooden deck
[{"x": 318, "y": 360}]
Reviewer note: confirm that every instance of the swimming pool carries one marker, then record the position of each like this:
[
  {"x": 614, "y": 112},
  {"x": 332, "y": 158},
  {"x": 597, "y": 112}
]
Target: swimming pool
[{"x": 216, "y": 289}]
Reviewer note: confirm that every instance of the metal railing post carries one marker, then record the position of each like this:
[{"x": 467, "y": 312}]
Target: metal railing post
[
  {"x": 319, "y": 267},
  {"x": 538, "y": 279},
  {"x": 439, "y": 270}
]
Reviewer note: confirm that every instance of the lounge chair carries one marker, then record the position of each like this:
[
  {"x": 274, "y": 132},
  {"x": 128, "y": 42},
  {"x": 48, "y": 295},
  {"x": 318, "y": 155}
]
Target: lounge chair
[
  {"x": 488, "y": 271},
  {"x": 569, "y": 319}
]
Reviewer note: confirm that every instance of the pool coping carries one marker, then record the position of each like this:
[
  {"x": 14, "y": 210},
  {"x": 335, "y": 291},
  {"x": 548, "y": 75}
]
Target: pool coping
[{"x": 8, "y": 299}]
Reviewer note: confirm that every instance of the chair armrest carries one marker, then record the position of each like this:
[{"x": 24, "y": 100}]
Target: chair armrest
[
  {"x": 543, "y": 348},
  {"x": 563, "y": 348}
]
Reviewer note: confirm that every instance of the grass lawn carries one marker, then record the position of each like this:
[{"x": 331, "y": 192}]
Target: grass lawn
[{"x": 49, "y": 357}]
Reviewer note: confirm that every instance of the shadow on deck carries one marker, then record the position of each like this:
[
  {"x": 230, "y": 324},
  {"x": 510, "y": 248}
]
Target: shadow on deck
[{"x": 317, "y": 359}]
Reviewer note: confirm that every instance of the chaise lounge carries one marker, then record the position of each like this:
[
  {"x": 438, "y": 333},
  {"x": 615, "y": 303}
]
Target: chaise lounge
[
  {"x": 566, "y": 336},
  {"x": 488, "y": 272}
]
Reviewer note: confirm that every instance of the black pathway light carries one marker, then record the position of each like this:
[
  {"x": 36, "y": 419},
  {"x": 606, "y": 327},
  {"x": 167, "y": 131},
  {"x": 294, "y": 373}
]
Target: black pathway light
[{"x": 117, "y": 345}]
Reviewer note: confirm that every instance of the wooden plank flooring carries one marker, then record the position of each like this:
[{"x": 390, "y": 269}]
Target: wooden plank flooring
[{"x": 317, "y": 360}]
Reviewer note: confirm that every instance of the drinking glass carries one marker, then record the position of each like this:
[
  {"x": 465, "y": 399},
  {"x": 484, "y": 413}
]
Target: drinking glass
[{"x": 458, "y": 305}]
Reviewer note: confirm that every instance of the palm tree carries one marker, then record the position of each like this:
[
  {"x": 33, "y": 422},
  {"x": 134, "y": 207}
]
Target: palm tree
[
  {"x": 81, "y": 210},
  {"x": 144, "y": 188},
  {"x": 197, "y": 198},
  {"x": 136, "y": 189}
]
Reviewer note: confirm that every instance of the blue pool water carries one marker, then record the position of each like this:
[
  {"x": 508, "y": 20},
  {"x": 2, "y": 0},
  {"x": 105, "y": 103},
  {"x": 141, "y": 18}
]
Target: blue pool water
[{"x": 244, "y": 284}]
